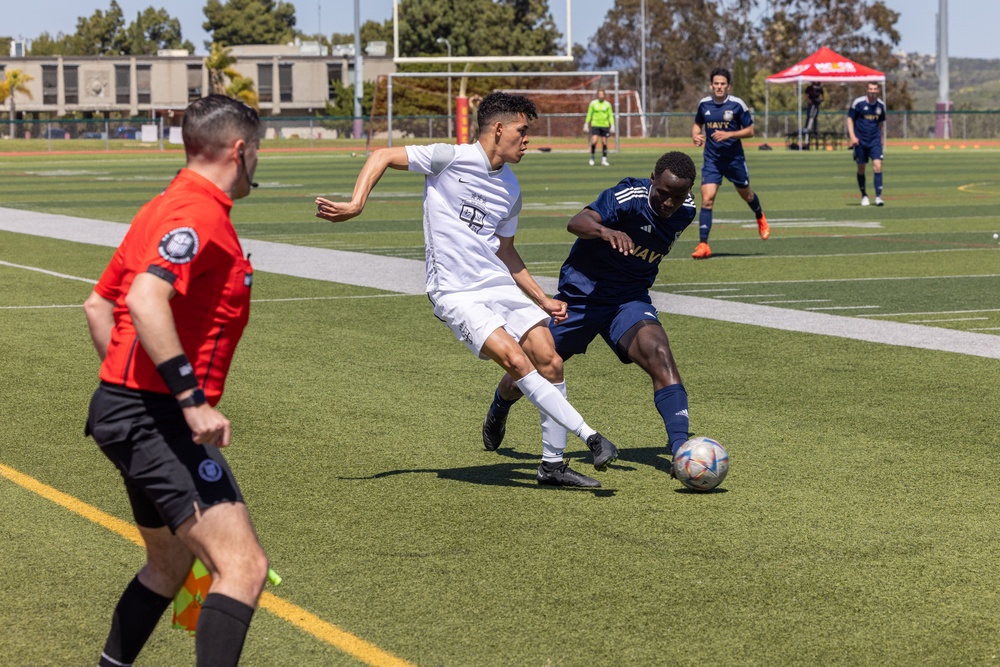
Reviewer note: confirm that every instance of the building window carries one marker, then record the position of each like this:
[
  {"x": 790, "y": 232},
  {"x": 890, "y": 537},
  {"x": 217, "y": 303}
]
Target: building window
[
  {"x": 265, "y": 83},
  {"x": 194, "y": 82},
  {"x": 71, "y": 84},
  {"x": 144, "y": 83},
  {"x": 285, "y": 81},
  {"x": 50, "y": 84},
  {"x": 123, "y": 86},
  {"x": 334, "y": 75}
]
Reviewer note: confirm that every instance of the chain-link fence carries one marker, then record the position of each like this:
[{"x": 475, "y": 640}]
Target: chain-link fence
[{"x": 563, "y": 131}]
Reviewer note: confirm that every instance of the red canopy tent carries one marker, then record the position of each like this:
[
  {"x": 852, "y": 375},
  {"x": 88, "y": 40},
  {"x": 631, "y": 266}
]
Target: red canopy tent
[{"x": 825, "y": 65}]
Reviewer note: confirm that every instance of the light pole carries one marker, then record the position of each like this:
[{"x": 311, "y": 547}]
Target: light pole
[{"x": 442, "y": 40}]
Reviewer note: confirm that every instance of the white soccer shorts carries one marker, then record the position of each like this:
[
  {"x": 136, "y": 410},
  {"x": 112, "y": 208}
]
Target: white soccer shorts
[{"x": 472, "y": 316}]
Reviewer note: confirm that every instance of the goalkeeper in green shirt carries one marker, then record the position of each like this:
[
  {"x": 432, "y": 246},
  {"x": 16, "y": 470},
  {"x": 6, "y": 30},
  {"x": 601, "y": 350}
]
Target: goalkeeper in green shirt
[{"x": 601, "y": 123}]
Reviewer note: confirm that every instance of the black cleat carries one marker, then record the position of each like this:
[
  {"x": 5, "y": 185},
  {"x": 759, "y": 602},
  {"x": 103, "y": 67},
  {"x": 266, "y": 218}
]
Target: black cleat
[
  {"x": 563, "y": 476},
  {"x": 604, "y": 451},
  {"x": 494, "y": 429}
]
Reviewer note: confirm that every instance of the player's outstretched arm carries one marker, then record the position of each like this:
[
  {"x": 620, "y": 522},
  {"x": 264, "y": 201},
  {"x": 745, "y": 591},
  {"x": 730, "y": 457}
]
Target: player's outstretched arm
[
  {"x": 511, "y": 258},
  {"x": 375, "y": 166},
  {"x": 587, "y": 225}
]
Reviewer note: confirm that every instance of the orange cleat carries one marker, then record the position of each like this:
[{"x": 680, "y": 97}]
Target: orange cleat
[
  {"x": 702, "y": 251},
  {"x": 763, "y": 228}
]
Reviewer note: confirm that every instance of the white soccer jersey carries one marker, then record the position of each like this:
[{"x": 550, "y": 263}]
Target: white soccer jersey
[{"x": 466, "y": 207}]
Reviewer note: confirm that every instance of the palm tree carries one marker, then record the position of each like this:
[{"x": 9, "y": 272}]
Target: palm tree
[
  {"x": 242, "y": 89},
  {"x": 15, "y": 81},
  {"x": 219, "y": 64},
  {"x": 219, "y": 60}
]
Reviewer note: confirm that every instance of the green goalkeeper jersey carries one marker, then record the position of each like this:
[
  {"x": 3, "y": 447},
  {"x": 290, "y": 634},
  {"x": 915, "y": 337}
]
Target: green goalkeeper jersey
[{"x": 600, "y": 113}]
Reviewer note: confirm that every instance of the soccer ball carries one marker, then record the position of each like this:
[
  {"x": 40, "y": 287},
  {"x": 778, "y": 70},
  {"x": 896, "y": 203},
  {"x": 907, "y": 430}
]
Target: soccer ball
[{"x": 701, "y": 464}]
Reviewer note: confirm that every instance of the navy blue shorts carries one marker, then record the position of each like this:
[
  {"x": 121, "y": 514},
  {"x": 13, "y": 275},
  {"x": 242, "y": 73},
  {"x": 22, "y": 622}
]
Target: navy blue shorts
[
  {"x": 165, "y": 472},
  {"x": 611, "y": 321},
  {"x": 864, "y": 153},
  {"x": 735, "y": 170}
]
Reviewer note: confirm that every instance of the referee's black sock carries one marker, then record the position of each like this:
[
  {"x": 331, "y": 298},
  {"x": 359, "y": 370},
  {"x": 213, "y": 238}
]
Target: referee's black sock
[
  {"x": 135, "y": 617},
  {"x": 222, "y": 628}
]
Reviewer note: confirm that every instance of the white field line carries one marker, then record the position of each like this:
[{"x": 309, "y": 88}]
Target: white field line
[
  {"x": 394, "y": 274},
  {"x": 841, "y": 307},
  {"x": 936, "y": 312},
  {"x": 835, "y": 280},
  {"x": 953, "y": 319},
  {"x": 47, "y": 272}
]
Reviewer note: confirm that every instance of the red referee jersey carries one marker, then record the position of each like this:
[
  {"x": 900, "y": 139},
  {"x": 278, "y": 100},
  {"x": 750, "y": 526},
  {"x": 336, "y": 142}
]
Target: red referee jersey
[{"x": 183, "y": 236}]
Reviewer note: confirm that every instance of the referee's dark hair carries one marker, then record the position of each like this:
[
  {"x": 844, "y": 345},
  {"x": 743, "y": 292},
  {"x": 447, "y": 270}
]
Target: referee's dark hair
[
  {"x": 720, "y": 71},
  {"x": 678, "y": 164},
  {"x": 503, "y": 107},
  {"x": 212, "y": 123}
]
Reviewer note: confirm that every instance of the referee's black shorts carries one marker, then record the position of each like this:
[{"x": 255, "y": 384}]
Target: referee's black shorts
[{"x": 166, "y": 473}]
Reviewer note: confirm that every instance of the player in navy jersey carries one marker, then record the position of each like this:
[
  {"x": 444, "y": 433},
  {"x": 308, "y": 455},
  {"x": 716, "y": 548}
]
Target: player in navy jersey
[
  {"x": 720, "y": 123},
  {"x": 865, "y": 124},
  {"x": 605, "y": 281}
]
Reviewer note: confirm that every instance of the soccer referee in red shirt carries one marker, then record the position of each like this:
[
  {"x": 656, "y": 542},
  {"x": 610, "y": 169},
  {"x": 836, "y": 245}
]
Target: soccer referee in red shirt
[{"x": 166, "y": 317}]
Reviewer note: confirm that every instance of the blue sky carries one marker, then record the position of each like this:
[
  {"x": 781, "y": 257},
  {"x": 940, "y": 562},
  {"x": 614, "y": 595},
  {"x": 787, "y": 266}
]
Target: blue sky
[{"x": 971, "y": 33}]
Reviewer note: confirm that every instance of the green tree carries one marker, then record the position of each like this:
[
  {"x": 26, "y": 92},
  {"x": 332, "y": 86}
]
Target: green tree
[
  {"x": 683, "y": 44},
  {"x": 154, "y": 29},
  {"x": 249, "y": 22},
  {"x": 478, "y": 28},
  {"x": 15, "y": 81},
  {"x": 47, "y": 45},
  {"x": 103, "y": 33},
  {"x": 371, "y": 31}
]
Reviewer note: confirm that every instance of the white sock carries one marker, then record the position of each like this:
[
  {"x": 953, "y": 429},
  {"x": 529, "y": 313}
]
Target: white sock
[
  {"x": 548, "y": 400},
  {"x": 553, "y": 435}
]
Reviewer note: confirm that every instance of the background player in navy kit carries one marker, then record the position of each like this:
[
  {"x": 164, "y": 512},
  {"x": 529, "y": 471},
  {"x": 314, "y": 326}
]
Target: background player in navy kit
[
  {"x": 865, "y": 124},
  {"x": 605, "y": 281},
  {"x": 726, "y": 120}
]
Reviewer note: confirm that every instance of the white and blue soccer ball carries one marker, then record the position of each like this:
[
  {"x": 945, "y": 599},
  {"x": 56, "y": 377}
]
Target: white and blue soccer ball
[{"x": 701, "y": 464}]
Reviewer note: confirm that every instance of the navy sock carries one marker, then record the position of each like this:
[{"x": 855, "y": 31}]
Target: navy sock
[
  {"x": 139, "y": 610},
  {"x": 704, "y": 224},
  {"x": 878, "y": 184},
  {"x": 501, "y": 406},
  {"x": 672, "y": 404},
  {"x": 222, "y": 629},
  {"x": 861, "y": 184},
  {"x": 755, "y": 206}
]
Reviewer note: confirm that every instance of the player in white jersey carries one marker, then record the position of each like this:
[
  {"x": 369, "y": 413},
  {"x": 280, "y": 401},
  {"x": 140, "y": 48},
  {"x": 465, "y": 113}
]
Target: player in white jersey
[{"x": 476, "y": 279}]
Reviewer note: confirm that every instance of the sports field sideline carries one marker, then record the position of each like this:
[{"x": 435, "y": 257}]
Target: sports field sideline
[
  {"x": 857, "y": 527},
  {"x": 407, "y": 276}
]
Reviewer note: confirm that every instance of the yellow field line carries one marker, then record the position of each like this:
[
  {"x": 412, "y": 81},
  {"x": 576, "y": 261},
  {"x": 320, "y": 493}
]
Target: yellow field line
[{"x": 364, "y": 651}]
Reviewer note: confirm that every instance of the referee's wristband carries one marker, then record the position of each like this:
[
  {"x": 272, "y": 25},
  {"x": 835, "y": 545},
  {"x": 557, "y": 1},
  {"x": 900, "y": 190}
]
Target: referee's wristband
[{"x": 178, "y": 374}]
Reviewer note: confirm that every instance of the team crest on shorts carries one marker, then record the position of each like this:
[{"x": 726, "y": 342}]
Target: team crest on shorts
[
  {"x": 179, "y": 246},
  {"x": 727, "y": 115},
  {"x": 210, "y": 471}
]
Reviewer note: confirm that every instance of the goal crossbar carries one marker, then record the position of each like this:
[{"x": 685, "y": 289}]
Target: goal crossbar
[{"x": 453, "y": 75}]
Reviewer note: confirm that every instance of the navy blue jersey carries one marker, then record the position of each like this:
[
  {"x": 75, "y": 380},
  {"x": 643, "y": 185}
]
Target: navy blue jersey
[
  {"x": 867, "y": 117},
  {"x": 594, "y": 271},
  {"x": 730, "y": 115}
]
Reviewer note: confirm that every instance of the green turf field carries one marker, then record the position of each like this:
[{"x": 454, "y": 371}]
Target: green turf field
[{"x": 857, "y": 526}]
